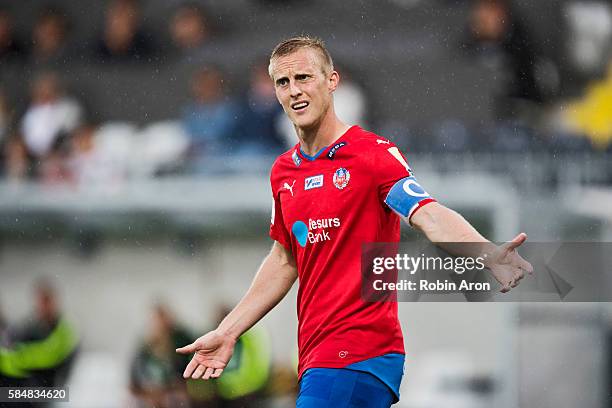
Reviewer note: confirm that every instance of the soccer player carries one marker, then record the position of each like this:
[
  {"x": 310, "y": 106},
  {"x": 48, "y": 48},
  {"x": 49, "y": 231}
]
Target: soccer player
[{"x": 339, "y": 187}]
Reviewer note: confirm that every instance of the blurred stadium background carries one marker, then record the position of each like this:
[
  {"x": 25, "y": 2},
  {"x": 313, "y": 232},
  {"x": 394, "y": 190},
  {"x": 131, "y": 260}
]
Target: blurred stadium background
[{"x": 135, "y": 143}]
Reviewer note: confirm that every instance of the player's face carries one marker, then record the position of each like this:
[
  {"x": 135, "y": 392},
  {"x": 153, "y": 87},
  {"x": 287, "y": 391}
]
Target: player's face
[{"x": 302, "y": 87}]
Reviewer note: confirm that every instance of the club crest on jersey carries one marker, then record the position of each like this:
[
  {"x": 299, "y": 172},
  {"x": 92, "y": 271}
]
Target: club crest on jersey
[
  {"x": 341, "y": 178},
  {"x": 296, "y": 159},
  {"x": 334, "y": 149},
  {"x": 313, "y": 182}
]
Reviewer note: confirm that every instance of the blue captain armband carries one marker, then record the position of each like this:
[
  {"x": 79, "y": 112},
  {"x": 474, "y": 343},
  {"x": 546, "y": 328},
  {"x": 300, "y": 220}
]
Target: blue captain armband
[{"x": 406, "y": 196}]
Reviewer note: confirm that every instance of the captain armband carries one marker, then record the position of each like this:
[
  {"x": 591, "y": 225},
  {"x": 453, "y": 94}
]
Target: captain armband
[{"x": 406, "y": 196}]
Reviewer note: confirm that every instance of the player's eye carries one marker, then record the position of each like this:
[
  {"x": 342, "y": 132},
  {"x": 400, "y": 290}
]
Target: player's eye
[
  {"x": 282, "y": 82},
  {"x": 301, "y": 77}
]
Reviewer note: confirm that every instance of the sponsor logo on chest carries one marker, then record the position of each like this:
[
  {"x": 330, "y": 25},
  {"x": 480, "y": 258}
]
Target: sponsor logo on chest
[
  {"x": 316, "y": 230},
  {"x": 313, "y": 182}
]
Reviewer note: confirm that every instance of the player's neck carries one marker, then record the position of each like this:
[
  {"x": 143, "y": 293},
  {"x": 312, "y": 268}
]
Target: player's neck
[{"x": 312, "y": 140}]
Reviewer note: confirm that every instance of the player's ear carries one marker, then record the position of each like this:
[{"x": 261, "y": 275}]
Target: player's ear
[{"x": 333, "y": 81}]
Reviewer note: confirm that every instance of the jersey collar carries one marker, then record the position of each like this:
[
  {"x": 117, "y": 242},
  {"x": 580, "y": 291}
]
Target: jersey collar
[
  {"x": 305, "y": 156},
  {"x": 312, "y": 158}
]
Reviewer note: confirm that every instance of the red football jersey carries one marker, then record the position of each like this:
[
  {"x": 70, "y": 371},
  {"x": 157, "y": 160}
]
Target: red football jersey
[{"x": 325, "y": 208}]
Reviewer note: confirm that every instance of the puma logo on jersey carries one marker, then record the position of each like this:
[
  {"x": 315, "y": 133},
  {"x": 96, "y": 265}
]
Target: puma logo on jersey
[
  {"x": 381, "y": 141},
  {"x": 289, "y": 187}
]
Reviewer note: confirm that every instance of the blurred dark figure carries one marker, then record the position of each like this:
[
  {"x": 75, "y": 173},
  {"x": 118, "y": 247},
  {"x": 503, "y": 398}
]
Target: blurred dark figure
[
  {"x": 13, "y": 156},
  {"x": 50, "y": 117},
  {"x": 3, "y": 330},
  {"x": 49, "y": 37},
  {"x": 189, "y": 28},
  {"x": 41, "y": 353},
  {"x": 7, "y": 372},
  {"x": 6, "y": 116},
  {"x": 210, "y": 119},
  {"x": 259, "y": 128},
  {"x": 10, "y": 48},
  {"x": 156, "y": 371},
  {"x": 16, "y": 161},
  {"x": 501, "y": 43},
  {"x": 122, "y": 39}
]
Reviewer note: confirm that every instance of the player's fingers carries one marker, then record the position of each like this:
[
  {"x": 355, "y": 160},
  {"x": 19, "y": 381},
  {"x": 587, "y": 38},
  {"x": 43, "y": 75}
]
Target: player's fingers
[
  {"x": 198, "y": 372},
  {"x": 190, "y": 368},
  {"x": 188, "y": 349},
  {"x": 524, "y": 265},
  {"x": 215, "y": 364},
  {"x": 518, "y": 275},
  {"x": 207, "y": 373},
  {"x": 217, "y": 373},
  {"x": 516, "y": 242}
]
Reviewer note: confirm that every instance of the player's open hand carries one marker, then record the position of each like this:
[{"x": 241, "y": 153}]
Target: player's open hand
[
  {"x": 212, "y": 353},
  {"x": 507, "y": 266}
]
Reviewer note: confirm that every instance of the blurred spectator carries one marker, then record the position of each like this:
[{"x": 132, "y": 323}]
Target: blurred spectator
[
  {"x": 16, "y": 160},
  {"x": 591, "y": 115},
  {"x": 210, "y": 119},
  {"x": 350, "y": 99},
  {"x": 501, "y": 43},
  {"x": 49, "y": 37},
  {"x": 156, "y": 372},
  {"x": 42, "y": 351},
  {"x": 6, "y": 116},
  {"x": 10, "y": 48},
  {"x": 589, "y": 34},
  {"x": 122, "y": 38},
  {"x": 7, "y": 373},
  {"x": 84, "y": 164},
  {"x": 189, "y": 27},
  {"x": 3, "y": 330},
  {"x": 53, "y": 168},
  {"x": 259, "y": 125},
  {"x": 50, "y": 116}
]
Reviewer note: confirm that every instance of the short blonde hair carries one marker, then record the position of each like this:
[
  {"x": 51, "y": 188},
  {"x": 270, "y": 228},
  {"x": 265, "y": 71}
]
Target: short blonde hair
[{"x": 291, "y": 45}]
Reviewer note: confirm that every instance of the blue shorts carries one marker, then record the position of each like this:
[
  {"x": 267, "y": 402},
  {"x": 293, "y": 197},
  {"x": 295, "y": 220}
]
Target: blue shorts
[{"x": 342, "y": 388}]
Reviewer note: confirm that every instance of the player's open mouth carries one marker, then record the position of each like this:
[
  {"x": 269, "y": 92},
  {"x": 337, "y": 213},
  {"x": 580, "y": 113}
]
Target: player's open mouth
[{"x": 298, "y": 106}]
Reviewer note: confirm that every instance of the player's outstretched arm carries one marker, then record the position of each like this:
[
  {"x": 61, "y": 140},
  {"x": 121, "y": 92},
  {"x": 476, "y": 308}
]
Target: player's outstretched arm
[
  {"x": 213, "y": 350},
  {"x": 443, "y": 225}
]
